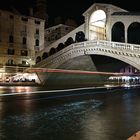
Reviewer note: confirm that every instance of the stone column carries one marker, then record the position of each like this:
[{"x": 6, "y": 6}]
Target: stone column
[{"x": 87, "y": 26}]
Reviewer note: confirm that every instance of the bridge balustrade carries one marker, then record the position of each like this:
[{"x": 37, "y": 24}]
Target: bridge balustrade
[
  {"x": 88, "y": 47},
  {"x": 136, "y": 47}
]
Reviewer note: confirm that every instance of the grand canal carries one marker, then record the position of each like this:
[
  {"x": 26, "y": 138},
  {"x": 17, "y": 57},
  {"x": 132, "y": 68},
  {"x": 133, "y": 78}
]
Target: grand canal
[{"x": 92, "y": 115}]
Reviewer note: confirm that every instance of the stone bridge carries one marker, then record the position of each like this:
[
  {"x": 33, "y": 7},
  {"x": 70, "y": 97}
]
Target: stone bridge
[{"x": 128, "y": 53}]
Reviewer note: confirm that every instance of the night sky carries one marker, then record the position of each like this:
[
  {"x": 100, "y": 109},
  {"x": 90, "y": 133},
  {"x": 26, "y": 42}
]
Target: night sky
[{"x": 68, "y": 8}]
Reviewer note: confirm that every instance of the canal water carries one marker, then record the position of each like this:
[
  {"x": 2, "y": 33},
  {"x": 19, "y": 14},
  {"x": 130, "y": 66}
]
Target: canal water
[{"x": 112, "y": 114}]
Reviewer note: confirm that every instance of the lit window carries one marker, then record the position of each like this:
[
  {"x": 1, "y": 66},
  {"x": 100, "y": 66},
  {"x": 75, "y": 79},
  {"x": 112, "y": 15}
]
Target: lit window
[{"x": 98, "y": 18}]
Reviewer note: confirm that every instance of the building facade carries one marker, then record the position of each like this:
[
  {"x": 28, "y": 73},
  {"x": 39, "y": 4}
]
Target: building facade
[
  {"x": 20, "y": 38},
  {"x": 111, "y": 23},
  {"x": 56, "y": 32}
]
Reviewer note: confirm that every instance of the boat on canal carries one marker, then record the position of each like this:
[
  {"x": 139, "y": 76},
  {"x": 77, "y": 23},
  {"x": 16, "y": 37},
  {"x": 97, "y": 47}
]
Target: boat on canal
[
  {"x": 58, "y": 79},
  {"x": 68, "y": 79},
  {"x": 17, "y": 76}
]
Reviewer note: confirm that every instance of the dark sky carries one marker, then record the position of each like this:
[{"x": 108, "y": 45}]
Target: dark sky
[{"x": 69, "y": 8}]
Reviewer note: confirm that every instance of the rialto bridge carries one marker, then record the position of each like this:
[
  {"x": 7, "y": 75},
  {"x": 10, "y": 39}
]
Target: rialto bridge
[
  {"x": 108, "y": 31},
  {"x": 128, "y": 53}
]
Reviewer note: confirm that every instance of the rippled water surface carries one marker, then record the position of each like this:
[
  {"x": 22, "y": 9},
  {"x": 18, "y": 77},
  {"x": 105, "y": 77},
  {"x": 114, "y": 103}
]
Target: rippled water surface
[{"x": 112, "y": 115}]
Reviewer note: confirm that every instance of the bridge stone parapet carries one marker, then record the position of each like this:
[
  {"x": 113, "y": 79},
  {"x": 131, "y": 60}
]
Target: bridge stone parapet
[
  {"x": 61, "y": 40},
  {"x": 129, "y": 53}
]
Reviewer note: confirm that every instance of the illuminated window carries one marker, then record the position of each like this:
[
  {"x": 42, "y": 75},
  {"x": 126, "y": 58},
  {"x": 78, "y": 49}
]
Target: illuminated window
[
  {"x": 98, "y": 18},
  {"x": 97, "y": 25}
]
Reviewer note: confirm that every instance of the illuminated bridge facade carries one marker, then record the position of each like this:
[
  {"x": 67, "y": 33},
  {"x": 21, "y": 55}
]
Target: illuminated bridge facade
[
  {"x": 128, "y": 53},
  {"x": 108, "y": 31}
]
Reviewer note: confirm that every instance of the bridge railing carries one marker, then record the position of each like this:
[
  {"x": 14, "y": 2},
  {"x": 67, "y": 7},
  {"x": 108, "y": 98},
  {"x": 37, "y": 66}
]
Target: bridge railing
[
  {"x": 118, "y": 45},
  {"x": 133, "y": 48},
  {"x": 108, "y": 44}
]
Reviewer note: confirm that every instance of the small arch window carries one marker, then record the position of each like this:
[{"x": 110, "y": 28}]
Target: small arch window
[
  {"x": 24, "y": 41},
  {"x": 37, "y": 42}
]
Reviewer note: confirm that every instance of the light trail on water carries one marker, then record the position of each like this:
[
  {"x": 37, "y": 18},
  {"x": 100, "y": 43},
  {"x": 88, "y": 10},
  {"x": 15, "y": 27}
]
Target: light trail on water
[{"x": 44, "y": 70}]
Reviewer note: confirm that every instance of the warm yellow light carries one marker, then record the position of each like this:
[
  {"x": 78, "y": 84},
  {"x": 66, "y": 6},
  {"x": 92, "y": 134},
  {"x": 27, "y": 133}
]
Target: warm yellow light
[{"x": 98, "y": 18}]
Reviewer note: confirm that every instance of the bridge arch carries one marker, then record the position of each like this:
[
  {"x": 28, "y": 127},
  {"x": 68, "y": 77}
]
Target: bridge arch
[
  {"x": 60, "y": 46},
  {"x": 38, "y": 59},
  {"x": 69, "y": 41},
  {"x": 128, "y": 53},
  {"x": 118, "y": 32},
  {"x": 117, "y": 57},
  {"x": 10, "y": 62},
  {"x": 45, "y": 55},
  {"x": 52, "y": 51},
  {"x": 133, "y": 33},
  {"x": 94, "y": 52},
  {"x": 97, "y": 25},
  {"x": 80, "y": 36}
]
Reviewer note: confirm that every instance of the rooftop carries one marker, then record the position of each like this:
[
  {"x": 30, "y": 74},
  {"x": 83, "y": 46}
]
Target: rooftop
[{"x": 127, "y": 13}]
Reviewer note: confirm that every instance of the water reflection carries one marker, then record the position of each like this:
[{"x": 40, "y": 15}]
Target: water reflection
[
  {"x": 17, "y": 89},
  {"x": 108, "y": 116},
  {"x": 46, "y": 123}
]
